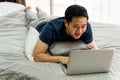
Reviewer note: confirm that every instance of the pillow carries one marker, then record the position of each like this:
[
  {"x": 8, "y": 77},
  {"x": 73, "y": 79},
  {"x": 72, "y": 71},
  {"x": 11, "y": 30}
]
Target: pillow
[
  {"x": 9, "y": 7},
  {"x": 31, "y": 41},
  {"x": 13, "y": 33},
  {"x": 63, "y": 48}
]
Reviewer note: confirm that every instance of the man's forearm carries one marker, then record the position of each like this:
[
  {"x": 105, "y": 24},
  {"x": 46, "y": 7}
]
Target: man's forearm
[{"x": 43, "y": 57}]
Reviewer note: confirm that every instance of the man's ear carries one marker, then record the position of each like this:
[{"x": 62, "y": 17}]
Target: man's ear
[{"x": 65, "y": 22}]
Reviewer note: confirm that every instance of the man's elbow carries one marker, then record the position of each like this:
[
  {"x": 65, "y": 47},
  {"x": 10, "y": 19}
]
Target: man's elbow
[{"x": 37, "y": 58}]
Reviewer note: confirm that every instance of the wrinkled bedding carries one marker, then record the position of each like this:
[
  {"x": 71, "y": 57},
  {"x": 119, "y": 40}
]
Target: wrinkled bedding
[
  {"x": 12, "y": 75},
  {"x": 13, "y": 31}
]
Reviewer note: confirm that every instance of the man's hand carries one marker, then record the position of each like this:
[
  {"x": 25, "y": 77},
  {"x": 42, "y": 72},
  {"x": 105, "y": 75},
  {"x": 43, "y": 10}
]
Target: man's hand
[
  {"x": 63, "y": 60},
  {"x": 93, "y": 45}
]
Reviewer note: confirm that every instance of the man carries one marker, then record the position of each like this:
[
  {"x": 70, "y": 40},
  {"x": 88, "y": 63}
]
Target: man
[{"x": 74, "y": 26}]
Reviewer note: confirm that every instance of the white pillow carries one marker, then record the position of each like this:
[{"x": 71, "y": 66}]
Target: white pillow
[
  {"x": 13, "y": 32},
  {"x": 9, "y": 7},
  {"x": 64, "y": 47},
  {"x": 31, "y": 40}
]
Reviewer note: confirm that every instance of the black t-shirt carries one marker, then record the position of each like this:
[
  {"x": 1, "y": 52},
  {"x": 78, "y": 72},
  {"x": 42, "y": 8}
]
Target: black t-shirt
[{"x": 54, "y": 31}]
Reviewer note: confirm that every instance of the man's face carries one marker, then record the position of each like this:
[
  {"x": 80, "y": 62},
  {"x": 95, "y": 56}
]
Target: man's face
[{"x": 76, "y": 27}]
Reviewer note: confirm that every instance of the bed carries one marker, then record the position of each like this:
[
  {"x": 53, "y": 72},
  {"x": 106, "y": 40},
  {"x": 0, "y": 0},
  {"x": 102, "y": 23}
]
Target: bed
[{"x": 15, "y": 66}]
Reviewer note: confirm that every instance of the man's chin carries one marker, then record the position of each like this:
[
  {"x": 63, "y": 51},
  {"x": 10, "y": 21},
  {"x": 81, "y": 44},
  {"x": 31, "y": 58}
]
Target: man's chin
[{"x": 76, "y": 37}]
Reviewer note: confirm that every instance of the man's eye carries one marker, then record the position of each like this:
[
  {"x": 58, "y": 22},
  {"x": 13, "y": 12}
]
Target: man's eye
[
  {"x": 83, "y": 26},
  {"x": 76, "y": 26}
]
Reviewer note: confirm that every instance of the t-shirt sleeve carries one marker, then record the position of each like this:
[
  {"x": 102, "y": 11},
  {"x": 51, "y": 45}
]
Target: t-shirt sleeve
[
  {"x": 47, "y": 34},
  {"x": 88, "y": 36}
]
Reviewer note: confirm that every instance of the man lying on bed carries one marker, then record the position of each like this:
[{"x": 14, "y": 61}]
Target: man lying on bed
[{"x": 74, "y": 26}]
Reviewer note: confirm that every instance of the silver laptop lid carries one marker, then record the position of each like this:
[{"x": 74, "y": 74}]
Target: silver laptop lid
[{"x": 89, "y": 61}]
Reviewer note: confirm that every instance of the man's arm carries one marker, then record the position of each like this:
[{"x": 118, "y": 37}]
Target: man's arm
[
  {"x": 93, "y": 45},
  {"x": 40, "y": 55}
]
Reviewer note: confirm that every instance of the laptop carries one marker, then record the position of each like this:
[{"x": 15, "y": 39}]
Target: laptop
[{"x": 89, "y": 61}]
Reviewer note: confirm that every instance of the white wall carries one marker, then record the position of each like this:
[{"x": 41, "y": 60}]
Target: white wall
[{"x": 106, "y": 11}]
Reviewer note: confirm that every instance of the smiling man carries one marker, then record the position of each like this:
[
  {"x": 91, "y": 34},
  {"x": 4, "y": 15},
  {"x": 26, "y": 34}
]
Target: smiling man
[{"x": 74, "y": 26}]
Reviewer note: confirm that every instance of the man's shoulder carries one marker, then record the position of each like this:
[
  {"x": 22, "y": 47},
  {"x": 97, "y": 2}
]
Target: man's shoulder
[
  {"x": 58, "y": 19},
  {"x": 57, "y": 23}
]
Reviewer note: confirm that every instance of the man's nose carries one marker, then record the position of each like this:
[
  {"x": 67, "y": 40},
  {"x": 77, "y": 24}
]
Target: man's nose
[{"x": 79, "y": 30}]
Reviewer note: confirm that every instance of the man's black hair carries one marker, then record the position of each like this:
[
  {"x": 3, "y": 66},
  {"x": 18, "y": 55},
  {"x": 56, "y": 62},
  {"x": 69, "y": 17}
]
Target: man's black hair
[{"x": 75, "y": 11}]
